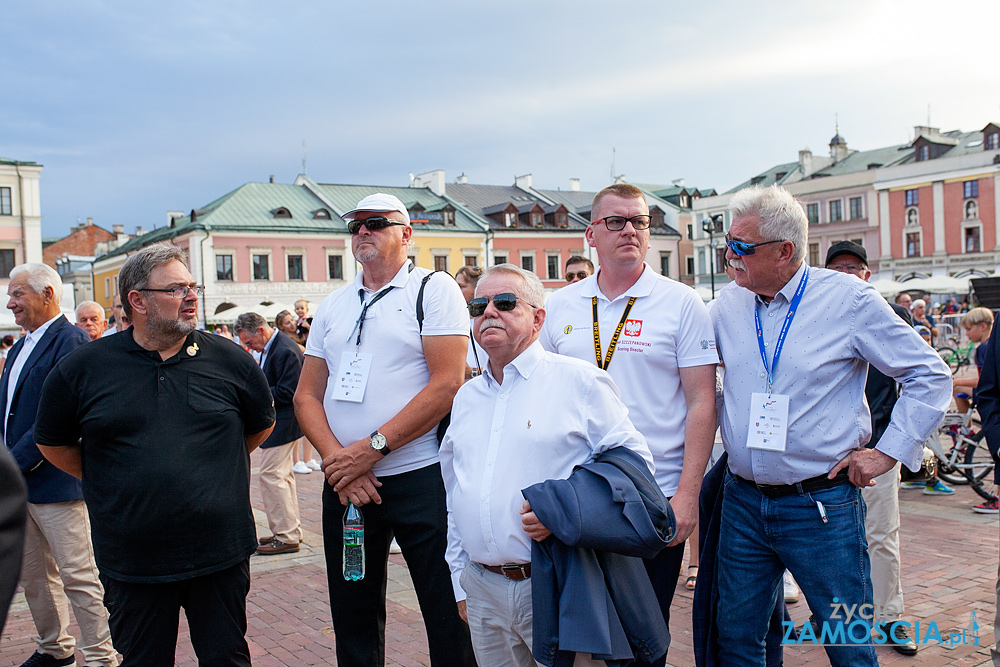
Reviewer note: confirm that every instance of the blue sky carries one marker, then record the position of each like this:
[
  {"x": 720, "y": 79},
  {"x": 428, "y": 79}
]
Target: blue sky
[{"x": 140, "y": 108}]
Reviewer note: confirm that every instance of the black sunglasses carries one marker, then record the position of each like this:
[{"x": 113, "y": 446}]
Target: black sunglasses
[
  {"x": 579, "y": 275},
  {"x": 372, "y": 224},
  {"x": 504, "y": 302}
]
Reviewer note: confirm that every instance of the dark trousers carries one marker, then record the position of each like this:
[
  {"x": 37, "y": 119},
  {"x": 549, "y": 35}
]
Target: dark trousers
[
  {"x": 144, "y": 617},
  {"x": 412, "y": 510},
  {"x": 663, "y": 571}
]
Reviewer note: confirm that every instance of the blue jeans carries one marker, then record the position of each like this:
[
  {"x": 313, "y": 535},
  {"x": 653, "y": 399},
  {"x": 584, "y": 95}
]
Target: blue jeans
[{"x": 760, "y": 537}]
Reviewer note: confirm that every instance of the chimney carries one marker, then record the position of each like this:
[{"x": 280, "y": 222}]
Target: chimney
[
  {"x": 925, "y": 131},
  {"x": 271, "y": 178},
  {"x": 90, "y": 221},
  {"x": 462, "y": 179},
  {"x": 138, "y": 231},
  {"x": 523, "y": 182},
  {"x": 806, "y": 162},
  {"x": 432, "y": 180},
  {"x": 170, "y": 217},
  {"x": 118, "y": 229},
  {"x": 679, "y": 182},
  {"x": 574, "y": 185}
]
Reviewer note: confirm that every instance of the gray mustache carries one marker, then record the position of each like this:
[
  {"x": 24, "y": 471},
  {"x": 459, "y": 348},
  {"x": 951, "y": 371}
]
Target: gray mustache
[{"x": 491, "y": 322}]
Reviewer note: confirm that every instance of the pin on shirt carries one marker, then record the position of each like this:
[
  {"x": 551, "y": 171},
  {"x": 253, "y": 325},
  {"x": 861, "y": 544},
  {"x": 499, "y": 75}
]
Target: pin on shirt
[{"x": 192, "y": 349}]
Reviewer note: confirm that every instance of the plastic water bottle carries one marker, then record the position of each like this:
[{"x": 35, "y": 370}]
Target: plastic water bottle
[{"x": 354, "y": 544}]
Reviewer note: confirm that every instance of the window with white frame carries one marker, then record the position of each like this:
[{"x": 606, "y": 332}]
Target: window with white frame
[
  {"x": 689, "y": 264},
  {"x": 107, "y": 288},
  {"x": 5, "y": 205},
  {"x": 440, "y": 262},
  {"x": 813, "y": 254},
  {"x": 911, "y": 242},
  {"x": 334, "y": 266},
  {"x": 812, "y": 213},
  {"x": 527, "y": 260},
  {"x": 553, "y": 269},
  {"x": 224, "y": 267},
  {"x": 857, "y": 208},
  {"x": 260, "y": 263},
  {"x": 972, "y": 238},
  {"x": 499, "y": 258},
  {"x": 295, "y": 267},
  {"x": 665, "y": 263},
  {"x": 836, "y": 210},
  {"x": 6, "y": 261}
]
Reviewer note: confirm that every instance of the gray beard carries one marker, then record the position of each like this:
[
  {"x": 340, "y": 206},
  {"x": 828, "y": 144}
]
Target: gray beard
[{"x": 366, "y": 256}]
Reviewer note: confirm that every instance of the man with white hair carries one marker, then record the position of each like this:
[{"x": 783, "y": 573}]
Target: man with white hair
[
  {"x": 489, "y": 455},
  {"x": 795, "y": 431},
  {"x": 383, "y": 361},
  {"x": 58, "y": 555},
  {"x": 90, "y": 318}
]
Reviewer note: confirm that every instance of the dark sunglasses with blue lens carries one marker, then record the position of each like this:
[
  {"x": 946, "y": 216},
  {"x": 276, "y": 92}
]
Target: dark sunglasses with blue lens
[
  {"x": 504, "y": 302},
  {"x": 742, "y": 248}
]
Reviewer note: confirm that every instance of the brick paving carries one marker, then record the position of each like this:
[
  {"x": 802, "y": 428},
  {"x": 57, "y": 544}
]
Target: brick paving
[{"x": 949, "y": 568}]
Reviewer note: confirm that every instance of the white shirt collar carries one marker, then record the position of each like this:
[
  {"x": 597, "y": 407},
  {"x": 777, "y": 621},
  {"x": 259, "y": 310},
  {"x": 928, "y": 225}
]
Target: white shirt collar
[
  {"x": 641, "y": 287},
  {"x": 36, "y": 335},
  {"x": 524, "y": 363},
  {"x": 398, "y": 280}
]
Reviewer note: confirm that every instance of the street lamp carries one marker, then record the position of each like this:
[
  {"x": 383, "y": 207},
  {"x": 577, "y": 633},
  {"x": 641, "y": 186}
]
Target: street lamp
[{"x": 712, "y": 225}]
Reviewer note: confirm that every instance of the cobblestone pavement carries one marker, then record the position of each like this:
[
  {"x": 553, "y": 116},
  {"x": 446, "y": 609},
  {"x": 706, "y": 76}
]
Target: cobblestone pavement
[{"x": 949, "y": 569}]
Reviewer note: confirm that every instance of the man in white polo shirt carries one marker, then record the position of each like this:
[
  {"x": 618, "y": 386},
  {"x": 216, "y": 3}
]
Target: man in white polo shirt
[
  {"x": 656, "y": 341},
  {"x": 375, "y": 383}
]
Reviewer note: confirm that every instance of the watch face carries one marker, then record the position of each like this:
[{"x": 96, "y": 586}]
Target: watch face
[{"x": 379, "y": 444}]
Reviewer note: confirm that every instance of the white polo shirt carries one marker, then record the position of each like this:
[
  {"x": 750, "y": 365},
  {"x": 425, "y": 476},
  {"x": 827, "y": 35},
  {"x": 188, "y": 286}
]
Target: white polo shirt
[
  {"x": 399, "y": 370},
  {"x": 667, "y": 328}
]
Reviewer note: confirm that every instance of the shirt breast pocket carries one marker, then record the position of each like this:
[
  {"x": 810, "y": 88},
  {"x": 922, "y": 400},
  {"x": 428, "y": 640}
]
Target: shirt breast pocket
[{"x": 208, "y": 396}]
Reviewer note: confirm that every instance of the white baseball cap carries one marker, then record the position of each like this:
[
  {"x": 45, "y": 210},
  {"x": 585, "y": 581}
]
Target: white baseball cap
[{"x": 379, "y": 202}]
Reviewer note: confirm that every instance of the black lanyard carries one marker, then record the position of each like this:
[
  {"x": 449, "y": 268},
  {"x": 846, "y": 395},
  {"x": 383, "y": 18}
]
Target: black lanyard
[
  {"x": 364, "y": 311},
  {"x": 614, "y": 339}
]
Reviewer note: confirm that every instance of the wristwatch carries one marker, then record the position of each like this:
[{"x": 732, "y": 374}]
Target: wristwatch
[{"x": 379, "y": 443}]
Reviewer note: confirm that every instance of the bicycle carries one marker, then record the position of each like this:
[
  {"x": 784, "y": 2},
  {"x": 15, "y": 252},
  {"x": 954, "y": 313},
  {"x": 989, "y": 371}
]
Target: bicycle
[
  {"x": 967, "y": 459},
  {"x": 957, "y": 358}
]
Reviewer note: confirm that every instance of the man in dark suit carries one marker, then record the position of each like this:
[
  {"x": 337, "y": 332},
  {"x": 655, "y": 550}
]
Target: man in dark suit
[
  {"x": 58, "y": 556},
  {"x": 281, "y": 360}
]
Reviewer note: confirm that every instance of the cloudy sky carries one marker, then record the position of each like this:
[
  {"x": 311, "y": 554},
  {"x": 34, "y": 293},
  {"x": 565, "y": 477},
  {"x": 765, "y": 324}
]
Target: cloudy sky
[{"x": 138, "y": 108}]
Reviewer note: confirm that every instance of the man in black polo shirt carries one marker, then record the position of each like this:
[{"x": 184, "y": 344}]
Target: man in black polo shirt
[{"x": 163, "y": 419}]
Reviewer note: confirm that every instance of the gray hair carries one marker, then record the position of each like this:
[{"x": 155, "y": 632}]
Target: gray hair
[
  {"x": 39, "y": 276},
  {"x": 532, "y": 290},
  {"x": 88, "y": 304},
  {"x": 781, "y": 215},
  {"x": 249, "y": 322},
  {"x": 134, "y": 275}
]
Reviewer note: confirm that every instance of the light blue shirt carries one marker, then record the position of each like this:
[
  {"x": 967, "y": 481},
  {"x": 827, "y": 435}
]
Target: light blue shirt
[{"x": 841, "y": 326}]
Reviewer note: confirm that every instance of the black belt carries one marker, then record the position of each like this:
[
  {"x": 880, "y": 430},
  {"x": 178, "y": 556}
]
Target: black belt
[
  {"x": 514, "y": 572},
  {"x": 817, "y": 483}
]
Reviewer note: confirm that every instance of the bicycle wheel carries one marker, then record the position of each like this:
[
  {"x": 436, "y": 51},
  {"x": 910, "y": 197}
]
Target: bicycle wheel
[
  {"x": 950, "y": 357},
  {"x": 978, "y": 467}
]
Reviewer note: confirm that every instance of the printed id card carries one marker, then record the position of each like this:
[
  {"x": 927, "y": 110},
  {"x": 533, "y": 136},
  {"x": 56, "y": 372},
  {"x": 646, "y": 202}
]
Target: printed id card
[
  {"x": 768, "y": 422},
  {"x": 352, "y": 377}
]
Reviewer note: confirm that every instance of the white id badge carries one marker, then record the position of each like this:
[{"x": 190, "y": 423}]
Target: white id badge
[
  {"x": 352, "y": 377},
  {"x": 768, "y": 422}
]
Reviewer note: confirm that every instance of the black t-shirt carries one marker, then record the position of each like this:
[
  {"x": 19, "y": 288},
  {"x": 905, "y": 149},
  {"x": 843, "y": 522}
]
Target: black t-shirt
[{"x": 166, "y": 471}]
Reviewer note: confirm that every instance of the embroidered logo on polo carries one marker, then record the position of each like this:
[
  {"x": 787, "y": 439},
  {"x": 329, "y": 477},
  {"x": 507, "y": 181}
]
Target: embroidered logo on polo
[{"x": 633, "y": 327}]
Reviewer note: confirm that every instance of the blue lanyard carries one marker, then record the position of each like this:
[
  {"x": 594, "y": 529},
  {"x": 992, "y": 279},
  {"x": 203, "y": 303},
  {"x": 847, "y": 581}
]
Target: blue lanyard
[{"x": 784, "y": 330}]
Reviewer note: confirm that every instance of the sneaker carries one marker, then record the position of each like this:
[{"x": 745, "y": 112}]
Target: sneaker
[
  {"x": 313, "y": 464},
  {"x": 791, "y": 589},
  {"x": 989, "y": 507},
  {"x": 39, "y": 659},
  {"x": 300, "y": 468},
  {"x": 911, "y": 485},
  {"x": 394, "y": 547},
  {"x": 938, "y": 489},
  {"x": 898, "y": 637}
]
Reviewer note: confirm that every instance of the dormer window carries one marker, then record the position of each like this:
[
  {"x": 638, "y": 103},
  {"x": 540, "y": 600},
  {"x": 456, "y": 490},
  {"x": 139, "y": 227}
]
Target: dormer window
[
  {"x": 510, "y": 219},
  {"x": 683, "y": 201},
  {"x": 282, "y": 212},
  {"x": 320, "y": 214},
  {"x": 561, "y": 219},
  {"x": 992, "y": 141},
  {"x": 449, "y": 217},
  {"x": 536, "y": 219},
  {"x": 923, "y": 153}
]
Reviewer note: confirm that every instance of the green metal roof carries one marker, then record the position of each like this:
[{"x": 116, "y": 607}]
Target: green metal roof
[{"x": 346, "y": 197}]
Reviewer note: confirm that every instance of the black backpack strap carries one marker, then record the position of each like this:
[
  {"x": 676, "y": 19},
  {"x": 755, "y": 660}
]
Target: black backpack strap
[{"x": 420, "y": 298}]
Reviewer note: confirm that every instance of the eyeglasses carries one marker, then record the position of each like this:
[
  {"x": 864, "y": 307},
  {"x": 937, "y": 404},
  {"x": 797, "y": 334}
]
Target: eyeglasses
[
  {"x": 579, "y": 275},
  {"x": 503, "y": 302},
  {"x": 742, "y": 248},
  {"x": 847, "y": 268},
  {"x": 616, "y": 223},
  {"x": 372, "y": 224},
  {"x": 178, "y": 292}
]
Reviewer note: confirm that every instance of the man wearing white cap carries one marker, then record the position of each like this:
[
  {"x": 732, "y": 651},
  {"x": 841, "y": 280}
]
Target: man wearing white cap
[{"x": 384, "y": 359}]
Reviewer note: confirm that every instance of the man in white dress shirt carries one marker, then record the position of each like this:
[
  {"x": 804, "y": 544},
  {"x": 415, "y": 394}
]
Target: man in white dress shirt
[
  {"x": 531, "y": 416},
  {"x": 795, "y": 423}
]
